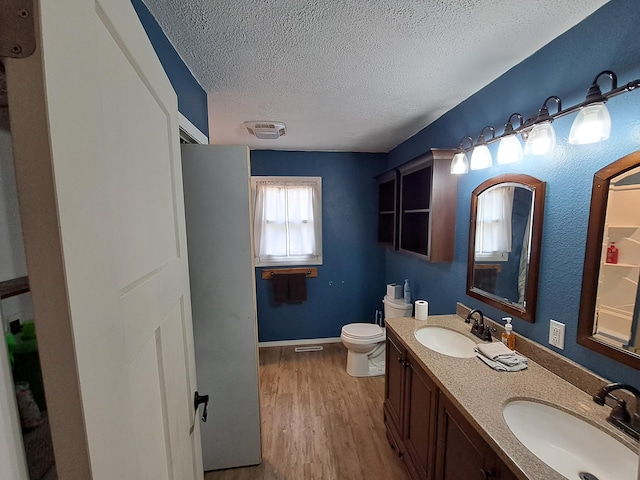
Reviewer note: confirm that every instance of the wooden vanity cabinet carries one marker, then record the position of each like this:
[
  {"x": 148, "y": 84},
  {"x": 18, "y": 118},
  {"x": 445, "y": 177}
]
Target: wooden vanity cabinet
[
  {"x": 460, "y": 450},
  {"x": 410, "y": 410},
  {"x": 395, "y": 358},
  {"x": 433, "y": 438},
  {"x": 420, "y": 419}
]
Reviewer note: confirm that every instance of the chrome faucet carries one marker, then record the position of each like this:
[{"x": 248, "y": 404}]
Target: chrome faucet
[
  {"x": 479, "y": 329},
  {"x": 620, "y": 416}
]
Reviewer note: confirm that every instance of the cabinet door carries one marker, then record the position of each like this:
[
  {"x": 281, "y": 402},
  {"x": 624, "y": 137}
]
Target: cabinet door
[
  {"x": 394, "y": 383},
  {"x": 461, "y": 452},
  {"x": 503, "y": 472},
  {"x": 421, "y": 403}
]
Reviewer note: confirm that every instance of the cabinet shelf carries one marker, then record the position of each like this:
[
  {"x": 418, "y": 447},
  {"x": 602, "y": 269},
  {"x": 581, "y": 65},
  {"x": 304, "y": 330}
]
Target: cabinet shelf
[
  {"x": 417, "y": 210},
  {"x": 13, "y": 287},
  {"x": 621, "y": 265}
]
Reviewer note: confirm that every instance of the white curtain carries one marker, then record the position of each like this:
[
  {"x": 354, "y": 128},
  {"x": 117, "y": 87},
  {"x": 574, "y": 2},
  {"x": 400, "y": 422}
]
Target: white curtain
[
  {"x": 523, "y": 270},
  {"x": 493, "y": 225},
  {"x": 284, "y": 220}
]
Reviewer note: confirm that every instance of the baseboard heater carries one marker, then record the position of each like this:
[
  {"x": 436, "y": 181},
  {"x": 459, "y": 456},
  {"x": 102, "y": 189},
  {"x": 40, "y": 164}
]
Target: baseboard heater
[{"x": 309, "y": 348}]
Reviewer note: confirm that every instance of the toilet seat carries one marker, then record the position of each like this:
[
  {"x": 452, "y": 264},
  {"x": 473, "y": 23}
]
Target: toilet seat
[{"x": 363, "y": 331}]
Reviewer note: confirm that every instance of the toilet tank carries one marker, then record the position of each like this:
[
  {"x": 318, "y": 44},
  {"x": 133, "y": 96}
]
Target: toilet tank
[{"x": 395, "y": 307}]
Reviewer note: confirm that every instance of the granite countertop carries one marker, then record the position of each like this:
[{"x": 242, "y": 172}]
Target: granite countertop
[{"x": 480, "y": 393}]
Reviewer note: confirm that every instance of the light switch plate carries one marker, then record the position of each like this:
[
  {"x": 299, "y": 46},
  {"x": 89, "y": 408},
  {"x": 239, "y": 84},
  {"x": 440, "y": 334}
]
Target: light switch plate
[{"x": 556, "y": 334}]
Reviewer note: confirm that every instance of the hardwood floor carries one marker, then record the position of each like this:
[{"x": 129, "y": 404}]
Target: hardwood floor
[{"x": 318, "y": 422}]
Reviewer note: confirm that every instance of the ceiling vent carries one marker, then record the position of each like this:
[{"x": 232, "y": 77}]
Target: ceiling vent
[{"x": 266, "y": 130}]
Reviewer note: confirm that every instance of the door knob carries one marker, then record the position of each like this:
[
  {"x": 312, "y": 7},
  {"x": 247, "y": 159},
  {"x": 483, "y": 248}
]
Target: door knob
[{"x": 197, "y": 400}]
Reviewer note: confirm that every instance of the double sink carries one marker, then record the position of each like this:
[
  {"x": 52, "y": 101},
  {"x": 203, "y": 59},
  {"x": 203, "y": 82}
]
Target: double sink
[{"x": 570, "y": 445}]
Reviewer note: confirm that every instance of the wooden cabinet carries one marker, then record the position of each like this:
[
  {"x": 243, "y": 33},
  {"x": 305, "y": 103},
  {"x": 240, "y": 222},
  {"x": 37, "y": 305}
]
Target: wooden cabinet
[
  {"x": 460, "y": 450},
  {"x": 417, "y": 207},
  {"x": 421, "y": 408},
  {"x": 428, "y": 194},
  {"x": 388, "y": 208},
  {"x": 433, "y": 438},
  {"x": 394, "y": 394},
  {"x": 410, "y": 410}
]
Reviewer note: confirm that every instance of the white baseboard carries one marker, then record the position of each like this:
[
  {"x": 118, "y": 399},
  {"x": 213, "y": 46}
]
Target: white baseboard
[{"x": 304, "y": 341}]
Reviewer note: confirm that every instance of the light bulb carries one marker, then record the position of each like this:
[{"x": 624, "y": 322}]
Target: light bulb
[
  {"x": 593, "y": 124},
  {"x": 459, "y": 164},
  {"x": 481, "y": 158},
  {"x": 542, "y": 139},
  {"x": 509, "y": 150}
]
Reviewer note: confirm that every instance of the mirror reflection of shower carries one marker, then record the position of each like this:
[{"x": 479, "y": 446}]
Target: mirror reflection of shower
[{"x": 617, "y": 301}]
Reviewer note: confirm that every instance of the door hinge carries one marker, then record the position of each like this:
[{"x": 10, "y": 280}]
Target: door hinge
[{"x": 17, "y": 29}]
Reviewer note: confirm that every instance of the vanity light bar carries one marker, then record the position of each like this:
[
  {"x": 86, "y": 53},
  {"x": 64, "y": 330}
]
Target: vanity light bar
[{"x": 591, "y": 125}]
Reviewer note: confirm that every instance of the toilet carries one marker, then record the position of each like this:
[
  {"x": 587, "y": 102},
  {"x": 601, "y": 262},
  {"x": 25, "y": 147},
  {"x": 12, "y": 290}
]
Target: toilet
[{"x": 365, "y": 342}]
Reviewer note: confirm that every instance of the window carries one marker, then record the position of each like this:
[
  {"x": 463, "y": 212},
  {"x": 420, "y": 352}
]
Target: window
[
  {"x": 287, "y": 220},
  {"x": 493, "y": 229}
]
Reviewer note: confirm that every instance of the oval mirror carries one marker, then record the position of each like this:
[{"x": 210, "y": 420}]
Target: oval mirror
[
  {"x": 609, "y": 306},
  {"x": 504, "y": 243}
]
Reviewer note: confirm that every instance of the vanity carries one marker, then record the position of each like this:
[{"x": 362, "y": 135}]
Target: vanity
[{"x": 444, "y": 415}]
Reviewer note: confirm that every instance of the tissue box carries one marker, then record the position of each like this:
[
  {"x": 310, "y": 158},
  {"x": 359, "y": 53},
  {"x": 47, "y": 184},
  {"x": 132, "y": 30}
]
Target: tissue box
[{"x": 395, "y": 291}]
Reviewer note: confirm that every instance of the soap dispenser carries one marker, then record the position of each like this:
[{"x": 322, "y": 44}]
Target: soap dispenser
[
  {"x": 407, "y": 291},
  {"x": 508, "y": 337}
]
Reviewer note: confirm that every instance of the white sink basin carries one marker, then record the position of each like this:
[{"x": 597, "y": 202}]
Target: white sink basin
[
  {"x": 568, "y": 444},
  {"x": 446, "y": 341}
]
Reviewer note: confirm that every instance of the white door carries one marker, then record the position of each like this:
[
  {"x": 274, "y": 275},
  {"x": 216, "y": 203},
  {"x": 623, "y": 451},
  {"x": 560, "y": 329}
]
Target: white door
[
  {"x": 218, "y": 212},
  {"x": 95, "y": 130}
]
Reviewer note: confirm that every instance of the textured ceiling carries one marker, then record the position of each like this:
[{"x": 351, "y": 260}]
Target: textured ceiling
[{"x": 351, "y": 75}]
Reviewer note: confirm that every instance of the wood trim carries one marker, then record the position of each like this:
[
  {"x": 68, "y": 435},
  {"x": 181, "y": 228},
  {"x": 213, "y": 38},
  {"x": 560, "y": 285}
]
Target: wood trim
[
  {"x": 531, "y": 299},
  {"x": 489, "y": 266},
  {"x": 592, "y": 258},
  {"x": 268, "y": 273},
  {"x": 15, "y": 286}
]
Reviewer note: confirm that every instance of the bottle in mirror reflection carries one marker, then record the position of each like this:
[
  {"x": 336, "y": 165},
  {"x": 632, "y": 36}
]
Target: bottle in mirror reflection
[{"x": 612, "y": 253}]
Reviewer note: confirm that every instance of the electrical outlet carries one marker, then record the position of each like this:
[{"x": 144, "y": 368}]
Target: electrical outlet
[{"x": 556, "y": 334}]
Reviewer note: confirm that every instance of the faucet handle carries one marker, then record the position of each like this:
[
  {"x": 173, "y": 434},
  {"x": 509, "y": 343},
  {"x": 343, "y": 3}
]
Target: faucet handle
[
  {"x": 475, "y": 328},
  {"x": 486, "y": 333},
  {"x": 620, "y": 411}
]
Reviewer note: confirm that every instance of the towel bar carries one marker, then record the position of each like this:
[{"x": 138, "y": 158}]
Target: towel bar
[{"x": 269, "y": 273}]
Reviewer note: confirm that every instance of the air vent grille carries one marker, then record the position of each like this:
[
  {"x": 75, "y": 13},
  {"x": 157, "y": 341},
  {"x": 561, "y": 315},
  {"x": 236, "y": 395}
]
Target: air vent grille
[{"x": 266, "y": 130}]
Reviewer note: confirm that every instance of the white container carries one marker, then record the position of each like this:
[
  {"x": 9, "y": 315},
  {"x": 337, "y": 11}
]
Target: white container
[
  {"x": 395, "y": 307},
  {"x": 394, "y": 290}
]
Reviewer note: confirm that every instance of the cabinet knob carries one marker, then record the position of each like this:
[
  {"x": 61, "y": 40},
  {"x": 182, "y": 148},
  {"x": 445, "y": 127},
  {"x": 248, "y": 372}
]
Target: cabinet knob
[
  {"x": 399, "y": 359},
  {"x": 486, "y": 473}
]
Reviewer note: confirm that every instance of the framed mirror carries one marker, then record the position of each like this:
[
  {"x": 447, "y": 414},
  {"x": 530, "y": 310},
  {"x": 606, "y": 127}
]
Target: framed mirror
[
  {"x": 609, "y": 304},
  {"x": 505, "y": 235}
]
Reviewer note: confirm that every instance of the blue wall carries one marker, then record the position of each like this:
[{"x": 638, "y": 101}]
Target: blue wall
[
  {"x": 192, "y": 99},
  {"x": 356, "y": 269},
  {"x": 350, "y": 283},
  {"x": 565, "y": 67}
]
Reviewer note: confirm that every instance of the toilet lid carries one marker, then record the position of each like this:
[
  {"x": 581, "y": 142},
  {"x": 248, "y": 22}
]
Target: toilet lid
[{"x": 362, "y": 330}]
